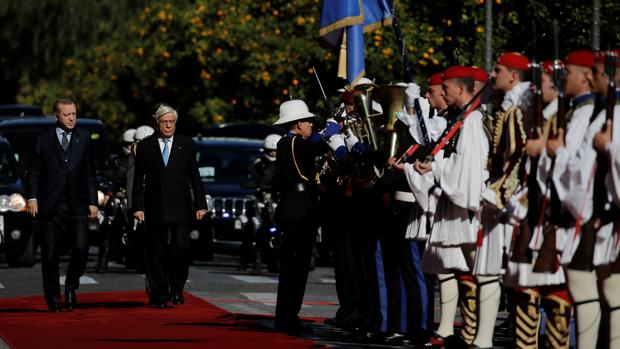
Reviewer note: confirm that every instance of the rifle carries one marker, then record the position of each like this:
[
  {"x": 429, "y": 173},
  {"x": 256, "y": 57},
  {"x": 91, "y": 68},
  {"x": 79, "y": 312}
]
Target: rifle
[
  {"x": 408, "y": 71},
  {"x": 547, "y": 260},
  {"x": 610, "y": 71},
  {"x": 521, "y": 252}
]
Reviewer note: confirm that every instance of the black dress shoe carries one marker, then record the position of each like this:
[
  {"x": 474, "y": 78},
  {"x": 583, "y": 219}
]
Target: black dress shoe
[
  {"x": 394, "y": 339},
  {"x": 54, "y": 308},
  {"x": 158, "y": 304},
  {"x": 178, "y": 299},
  {"x": 70, "y": 300},
  {"x": 293, "y": 327},
  {"x": 334, "y": 322}
]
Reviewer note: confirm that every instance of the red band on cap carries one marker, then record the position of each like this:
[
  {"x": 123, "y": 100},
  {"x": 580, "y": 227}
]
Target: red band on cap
[
  {"x": 435, "y": 79},
  {"x": 480, "y": 74},
  {"x": 514, "y": 60},
  {"x": 457, "y": 71},
  {"x": 581, "y": 58}
]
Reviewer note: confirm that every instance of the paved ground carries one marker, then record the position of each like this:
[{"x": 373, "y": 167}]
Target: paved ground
[{"x": 219, "y": 282}]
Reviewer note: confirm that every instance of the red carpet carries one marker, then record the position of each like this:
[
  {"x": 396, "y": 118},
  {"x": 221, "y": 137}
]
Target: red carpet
[{"x": 123, "y": 320}]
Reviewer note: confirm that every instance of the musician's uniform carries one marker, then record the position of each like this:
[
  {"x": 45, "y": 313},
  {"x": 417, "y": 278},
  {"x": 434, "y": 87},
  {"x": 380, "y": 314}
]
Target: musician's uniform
[{"x": 296, "y": 213}]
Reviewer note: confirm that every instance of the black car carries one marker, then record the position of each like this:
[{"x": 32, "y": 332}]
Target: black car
[
  {"x": 224, "y": 165},
  {"x": 11, "y": 111},
  {"x": 17, "y": 243}
]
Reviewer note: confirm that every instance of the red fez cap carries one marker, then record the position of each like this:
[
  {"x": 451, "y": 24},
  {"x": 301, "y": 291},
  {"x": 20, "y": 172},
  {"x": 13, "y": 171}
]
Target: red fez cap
[
  {"x": 480, "y": 74},
  {"x": 514, "y": 60},
  {"x": 435, "y": 79},
  {"x": 599, "y": 56},
  {"x": 581, "y": 58},
  {"x": 457, "y": 71}
]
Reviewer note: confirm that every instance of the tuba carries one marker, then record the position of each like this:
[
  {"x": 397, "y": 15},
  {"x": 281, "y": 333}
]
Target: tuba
[
  {"x": 365, "y": 128},
  {"x": 392, "y": 100}
]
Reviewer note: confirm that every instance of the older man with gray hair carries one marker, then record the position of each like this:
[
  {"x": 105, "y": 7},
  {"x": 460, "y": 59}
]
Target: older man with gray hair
[{"x": 167, "y": 196}]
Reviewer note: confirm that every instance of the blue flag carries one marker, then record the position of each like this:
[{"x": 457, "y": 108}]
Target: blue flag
[{"x": 344, "y": 22}]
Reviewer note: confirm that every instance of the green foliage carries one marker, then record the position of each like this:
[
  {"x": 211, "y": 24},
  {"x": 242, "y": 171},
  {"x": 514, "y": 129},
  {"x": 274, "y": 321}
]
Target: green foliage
[{"x": 222, "y": 60}]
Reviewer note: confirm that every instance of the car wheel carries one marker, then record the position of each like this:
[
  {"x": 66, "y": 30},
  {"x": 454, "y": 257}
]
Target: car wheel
[{"x": 23, "y": 258}]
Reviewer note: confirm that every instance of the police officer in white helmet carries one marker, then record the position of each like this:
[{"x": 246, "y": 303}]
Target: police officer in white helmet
[{"x": 262, "y": 174}]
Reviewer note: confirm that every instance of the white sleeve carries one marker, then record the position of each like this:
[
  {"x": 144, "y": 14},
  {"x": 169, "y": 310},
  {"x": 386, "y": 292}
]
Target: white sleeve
[
  {"x": 461, "y": 176},
  {"x": 613, "y": 177},
  {"x": 420, "y": 185},
  {"x": 434, "y": 126},
  {"x": 575, "y": 140},
  {"x": 575, "y": 182}
]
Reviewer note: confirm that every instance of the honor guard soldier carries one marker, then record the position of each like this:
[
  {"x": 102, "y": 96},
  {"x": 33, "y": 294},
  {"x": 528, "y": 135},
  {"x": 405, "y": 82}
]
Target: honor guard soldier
[
  {"x": 605, "y": 182},
  {"x": 574, "y": 156},
  {"x": 459, "y": 170}
]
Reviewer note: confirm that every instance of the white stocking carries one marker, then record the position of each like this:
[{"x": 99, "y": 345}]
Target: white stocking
[
  {"x": 488, "y": 305},
  {"x": 449, "y": 298},
  {"x": 611, "y": 290},
  {"x": 583, "y": 291}
]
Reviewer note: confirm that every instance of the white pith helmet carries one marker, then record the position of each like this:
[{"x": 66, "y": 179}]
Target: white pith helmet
[
  {"x": 142, "y": 132},
  {"x": 128, "y": 136},
  {"x": 293, "y": 110},
  {"x": 271, "y": 142}
]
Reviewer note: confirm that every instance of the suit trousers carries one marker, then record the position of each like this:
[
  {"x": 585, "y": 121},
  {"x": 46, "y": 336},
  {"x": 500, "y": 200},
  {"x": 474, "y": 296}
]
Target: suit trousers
[
  {"x": 55, "y": 230},
  {"x": 167, "y": 259},
  {"x": 295, "y": 255}
]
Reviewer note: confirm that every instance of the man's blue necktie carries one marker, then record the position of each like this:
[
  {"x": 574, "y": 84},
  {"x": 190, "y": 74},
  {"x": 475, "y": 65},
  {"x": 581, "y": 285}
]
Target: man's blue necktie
[{"x": 166, "y": 152}]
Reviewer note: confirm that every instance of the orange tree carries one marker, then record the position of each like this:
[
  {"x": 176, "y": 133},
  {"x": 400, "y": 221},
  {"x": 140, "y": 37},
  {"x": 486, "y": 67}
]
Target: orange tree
[{"x": 222, "y": 60}]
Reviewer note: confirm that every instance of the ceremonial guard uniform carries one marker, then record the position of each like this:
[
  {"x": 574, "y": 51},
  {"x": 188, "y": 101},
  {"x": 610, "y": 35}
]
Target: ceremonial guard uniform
[
  {"x": 404, "y": 243},
  {"x": 576, "y": 158},
  {"x": 459, "y": 170},
  {"x": 598, "y": 238}
]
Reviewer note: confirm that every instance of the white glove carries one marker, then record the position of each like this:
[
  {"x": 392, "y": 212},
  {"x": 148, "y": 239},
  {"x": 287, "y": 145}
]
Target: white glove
[
  {"x": 413, "y": 92},
  {"x": 351, "y": 139},
  {"x": 336, "y": 141}
]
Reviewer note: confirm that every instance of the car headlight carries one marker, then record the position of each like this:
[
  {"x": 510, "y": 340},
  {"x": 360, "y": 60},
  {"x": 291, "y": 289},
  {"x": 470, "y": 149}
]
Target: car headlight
[
  {"x": 209, "y": 200},
  {"x": 17, "y": 202},
  {"x": 5, "y": 203},
  {"x": 100, "y": 197}
]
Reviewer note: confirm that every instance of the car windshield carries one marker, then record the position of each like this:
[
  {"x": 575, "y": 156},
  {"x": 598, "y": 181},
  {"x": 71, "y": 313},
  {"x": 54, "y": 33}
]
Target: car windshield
[
  {"x": 8, "y": 166},
  {"x": 216, "y": 163}
]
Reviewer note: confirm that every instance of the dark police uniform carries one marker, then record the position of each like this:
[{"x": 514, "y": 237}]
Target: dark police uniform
[{"x": 296, "y": 217}]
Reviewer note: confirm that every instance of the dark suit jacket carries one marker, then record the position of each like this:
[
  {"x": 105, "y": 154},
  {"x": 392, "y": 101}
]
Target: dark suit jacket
[
  {"x": 50, "y": 177},
  {"x": 168, "y": 194}
]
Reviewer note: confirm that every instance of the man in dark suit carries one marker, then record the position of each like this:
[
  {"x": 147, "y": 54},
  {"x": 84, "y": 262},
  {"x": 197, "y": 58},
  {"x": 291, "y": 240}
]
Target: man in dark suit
[
  {"x": 167, "y": 196},
  {"x": 63, "y": 194}
]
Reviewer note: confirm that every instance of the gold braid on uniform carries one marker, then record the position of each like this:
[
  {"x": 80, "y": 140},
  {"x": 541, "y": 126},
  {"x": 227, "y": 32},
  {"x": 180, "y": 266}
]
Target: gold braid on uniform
[
  {"x": 527, "y": 319},
  {"x": 468, "y": 300},
  {"x": 487, "y": 124},
  {"x": 507, "y": 185},
  {"x": 557, "y": 325}
]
